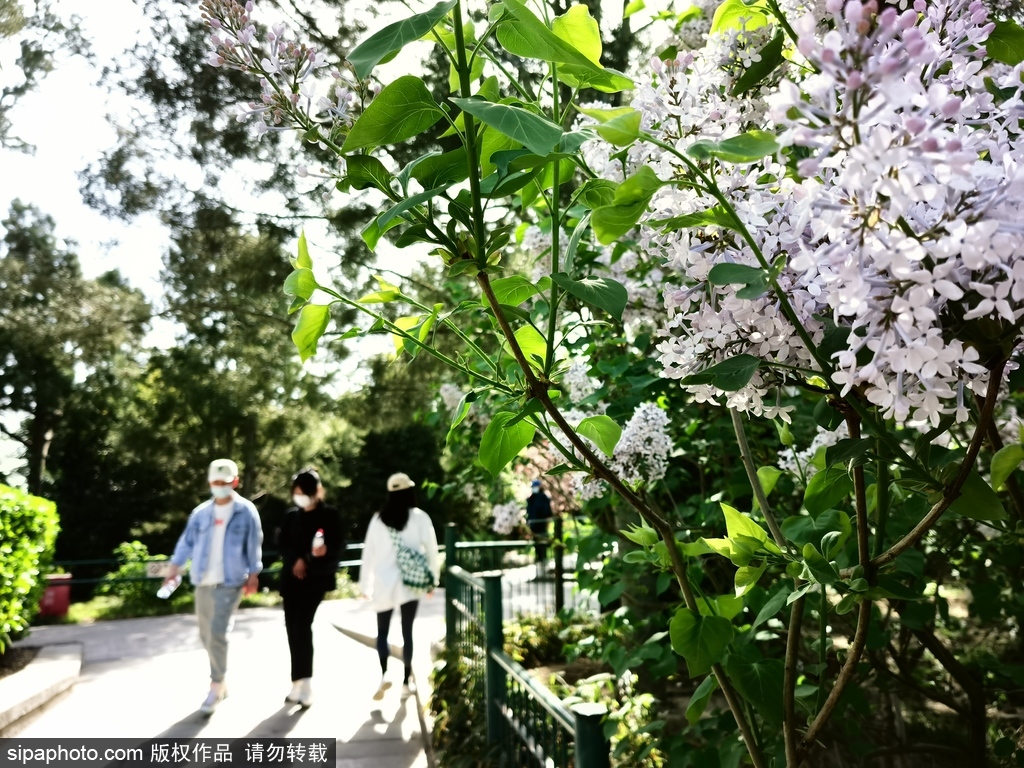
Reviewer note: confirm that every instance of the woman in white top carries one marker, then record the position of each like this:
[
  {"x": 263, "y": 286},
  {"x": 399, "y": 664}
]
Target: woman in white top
[{"x": 380, "y": 578}]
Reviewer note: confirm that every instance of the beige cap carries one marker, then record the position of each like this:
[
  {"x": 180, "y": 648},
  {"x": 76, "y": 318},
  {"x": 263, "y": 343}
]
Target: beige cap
[
  {"x": 223, "y": 469},
  {"x": 400, "y": 481}
]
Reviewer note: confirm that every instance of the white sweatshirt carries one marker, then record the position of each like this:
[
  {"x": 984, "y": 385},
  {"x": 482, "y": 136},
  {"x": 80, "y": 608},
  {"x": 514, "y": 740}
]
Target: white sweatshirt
[{"x": 379, "y": 576}]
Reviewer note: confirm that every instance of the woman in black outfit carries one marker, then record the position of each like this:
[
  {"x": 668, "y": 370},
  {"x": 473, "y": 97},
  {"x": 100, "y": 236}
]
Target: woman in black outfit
[{"x": 307, "y": 573}]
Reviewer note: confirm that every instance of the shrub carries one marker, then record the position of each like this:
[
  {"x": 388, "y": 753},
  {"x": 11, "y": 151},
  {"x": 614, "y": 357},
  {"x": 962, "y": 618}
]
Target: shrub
[
  {"x": 129, "y": 581},
  {"x": 28, "y": 530}
]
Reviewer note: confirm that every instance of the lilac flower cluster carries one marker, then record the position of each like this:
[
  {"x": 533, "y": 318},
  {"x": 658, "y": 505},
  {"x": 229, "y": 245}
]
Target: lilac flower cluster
[
  {"x": 288, "y": 74},
  {"x": 508, "y": 517},
  {"x": 896, "y": 202}
]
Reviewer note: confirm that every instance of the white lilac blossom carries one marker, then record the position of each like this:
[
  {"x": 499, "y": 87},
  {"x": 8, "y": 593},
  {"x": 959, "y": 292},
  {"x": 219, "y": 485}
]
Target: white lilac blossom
[
  {"x": 799, "y": 462},
  {"x": 288, "y": 72},
  {"x": 901, "y": 225},
  {"x": 579, "y": 381},
  {"x": 643, "y": 451},
  {"x": 508, "y": 517},
  {"x": 451, "y": 396}
]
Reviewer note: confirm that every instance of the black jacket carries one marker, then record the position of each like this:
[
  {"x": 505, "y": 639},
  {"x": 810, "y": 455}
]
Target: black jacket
[{"x": 296, "y": 541}]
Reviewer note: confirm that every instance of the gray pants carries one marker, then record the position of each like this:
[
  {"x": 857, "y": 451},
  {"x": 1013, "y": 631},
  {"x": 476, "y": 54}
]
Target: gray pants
[{"x": 214, "y": 607}]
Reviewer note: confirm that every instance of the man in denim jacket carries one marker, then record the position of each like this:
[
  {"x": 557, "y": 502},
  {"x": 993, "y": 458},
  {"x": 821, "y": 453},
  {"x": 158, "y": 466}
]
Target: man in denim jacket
[{"x": 224, "y": 540}]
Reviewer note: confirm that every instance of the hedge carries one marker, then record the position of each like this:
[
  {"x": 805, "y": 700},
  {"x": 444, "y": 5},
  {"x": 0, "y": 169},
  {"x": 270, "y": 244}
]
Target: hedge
[{"x": 28, "y": 530}]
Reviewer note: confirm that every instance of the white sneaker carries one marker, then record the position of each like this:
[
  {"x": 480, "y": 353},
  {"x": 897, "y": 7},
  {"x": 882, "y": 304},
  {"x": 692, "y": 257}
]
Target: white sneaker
[
  {"x": 218, "y": 692},
  {"x": 381, "y": 689},
  {"x": 408, "y": 689},
  {"x": 296, "y": 691},
  {"x": 305, "y": 697}
]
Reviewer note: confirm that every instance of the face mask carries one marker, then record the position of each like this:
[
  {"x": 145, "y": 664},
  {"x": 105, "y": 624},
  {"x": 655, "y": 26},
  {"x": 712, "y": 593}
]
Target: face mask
[
  {"x": 221, "y": 491},
  {"x": 301, "y": 501}
]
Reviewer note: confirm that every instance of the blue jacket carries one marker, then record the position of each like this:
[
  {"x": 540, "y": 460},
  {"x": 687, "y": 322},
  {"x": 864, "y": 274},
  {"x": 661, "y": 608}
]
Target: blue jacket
[{"x": 243, "y": 543}]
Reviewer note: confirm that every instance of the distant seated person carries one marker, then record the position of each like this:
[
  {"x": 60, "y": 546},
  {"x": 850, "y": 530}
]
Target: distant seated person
[{"x": 538, "y": 514}]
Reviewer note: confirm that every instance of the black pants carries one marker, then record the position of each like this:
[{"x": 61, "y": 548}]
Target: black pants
[
  {"x": 408, "y": 611},
  {"x": 540, "y": 539},
  {"x": 300, "y": 606}
]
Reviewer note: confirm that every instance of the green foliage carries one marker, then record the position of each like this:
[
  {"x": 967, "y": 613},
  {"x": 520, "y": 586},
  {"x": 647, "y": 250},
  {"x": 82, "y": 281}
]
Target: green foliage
[{"x": 28, "y": 530}]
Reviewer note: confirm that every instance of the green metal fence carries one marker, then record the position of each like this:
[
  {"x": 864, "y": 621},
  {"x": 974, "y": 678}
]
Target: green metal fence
[{"x": 525, "y": 720}]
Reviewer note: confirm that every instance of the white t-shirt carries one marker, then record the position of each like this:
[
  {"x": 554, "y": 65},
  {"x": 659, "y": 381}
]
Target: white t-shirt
[{"x": 215, "y": 565}]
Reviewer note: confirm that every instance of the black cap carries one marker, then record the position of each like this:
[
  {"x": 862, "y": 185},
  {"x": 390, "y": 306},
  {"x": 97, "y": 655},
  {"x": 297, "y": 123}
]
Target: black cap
[{"x": 307, "y": 481}]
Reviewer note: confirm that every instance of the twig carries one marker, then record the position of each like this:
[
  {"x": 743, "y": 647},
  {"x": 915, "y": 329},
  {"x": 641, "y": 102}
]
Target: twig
[
  {"x": 952, "y": 491},
  {"x": 845, "y": 676},
  {"x": 755, "y": 482},
  {"x": 796, "y": 617}
]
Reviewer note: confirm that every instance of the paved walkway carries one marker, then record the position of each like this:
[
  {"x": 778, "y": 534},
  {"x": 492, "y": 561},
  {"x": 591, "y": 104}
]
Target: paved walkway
[{"x": 144, "y": 678}]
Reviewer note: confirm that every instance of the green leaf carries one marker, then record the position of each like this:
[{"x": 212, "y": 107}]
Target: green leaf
[
  {"x": 1006, "y": 43},
  {"x": 716, "y": 216},
  {"x": 312, "y": 323},
  {"x": 373, "y": 231},
  {"x": 387, "y": 293},
  {"x": 701, "y": 640},
  {"x": 390, "y": 216},
  {"x": 726, "y": 606},
  {"x": 610, "y": 222},
  {"x": 596, "y": 193},
  {"x": 701, "y": 696},
  {"x": 622, "y": 130},
  {"x": 442, "y": 170},
  {"x": 735, "y": 274},
  {"x": 301, "y": 283},
  {"x": 775, "y": 604},
  {"x": 392, "y": 38},
  {"x": 402, "y": 110},
  {"x": 848, "y": 450},
  {"x": 760, "y": 683},
  {"x": 767, "y": 477},
  {"x": 771, "y": 58},
  {"x": 729, "y": 375},
  {"x": 737, "y": 524},
  {"x": 364, "y": 171},
  {"x": 747, "y": 577},
  {"x": 635, "y": 6},
  {"x": 827, "y": 489},
  {"x": 748, "y": 147},
  {"x": 502, "y": 442},
  {"x": 604, "y": 115},
  {"x": 460, "y": 414},
  {"x": 303, "y": 261},
  {"x": 569, "y": 257},
  {"x": 601, "y": 292},
  {"x": 978, "y": 501},
  {"x": 402, "y": 344},
  {"x": 823, "y": 571},
  {"x": 492, "y": 144},
  {"x": 738, "y": 14},
  {"x": 537, "y": 134},
  {"x": 603, "y": 431},
  {"x": 804, "y": 529},
  {"x": 642, "y": 534},
  {"x": 1005, "y": 463},
  {"x": 533, "y": 345},
  {"x": 529, "y": 37},
  {"x": 513, "y": 290},
  {"x": 580, "y": 30}
]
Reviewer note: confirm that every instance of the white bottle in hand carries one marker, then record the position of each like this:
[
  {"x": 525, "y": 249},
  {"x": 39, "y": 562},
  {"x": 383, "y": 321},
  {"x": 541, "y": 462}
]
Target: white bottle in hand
[
  {"x": 168, "y": 587},
  {"x": 318, "y": 540}
]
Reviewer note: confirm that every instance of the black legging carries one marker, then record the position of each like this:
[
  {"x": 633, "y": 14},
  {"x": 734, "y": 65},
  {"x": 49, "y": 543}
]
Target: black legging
[
  {"x": 384, "y": 625},
  {"x": 300, "y": 606}
]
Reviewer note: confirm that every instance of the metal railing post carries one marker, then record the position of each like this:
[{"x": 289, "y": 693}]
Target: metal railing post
[
  {"x": 494, "y": 635},
  {"x": 559, "y": 549},
  {"x": 451, "y": 538},
  {"x": 593, "y": 750}
]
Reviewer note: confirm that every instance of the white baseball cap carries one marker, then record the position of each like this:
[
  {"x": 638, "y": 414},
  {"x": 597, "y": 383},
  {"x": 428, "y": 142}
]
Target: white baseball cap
[
  {"x": 400, "y": 481},
  {"x": 223, "y": 469}
]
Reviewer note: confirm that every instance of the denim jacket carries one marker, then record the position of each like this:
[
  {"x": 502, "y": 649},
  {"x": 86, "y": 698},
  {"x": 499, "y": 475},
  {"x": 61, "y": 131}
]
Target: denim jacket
[{"x": 243, "y": 542}]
